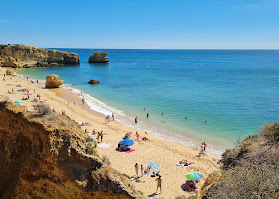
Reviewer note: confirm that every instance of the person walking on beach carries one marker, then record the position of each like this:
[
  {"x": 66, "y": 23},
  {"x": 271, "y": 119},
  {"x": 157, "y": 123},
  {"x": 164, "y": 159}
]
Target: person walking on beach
[
  {"x": 137, "y": 169},
  {"x": 112, "y": 115},
  {"x": 147, "y": 115},
  {"x": 82, "y": 101},
  {"x": 141, "y": 170},
  {"x": 136, "y": 120},
  {"x": 159, "y": 184}
]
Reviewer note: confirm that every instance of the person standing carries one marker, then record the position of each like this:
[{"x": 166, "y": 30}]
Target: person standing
[
  {"x": 82, "y": 101},
  {"x": 159, "y": 184},
  {"x": 137, "y": 169},
  {"x": 101, "y": 135},
  {"x": 137, "y": 135},
  {"x": 112, "y": 115},
  {"x": 204, "y": 147},
  {"x": 136, "y": 120},
  {"x": 147, "y": 115},
  {"x": 98, "y": 137},
  {"x": 141, "y": 170}
]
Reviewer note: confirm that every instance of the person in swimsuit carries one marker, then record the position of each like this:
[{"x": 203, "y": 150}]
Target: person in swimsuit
[
  {"x": 137, "y": 169},
  {"x": 101, "y": 135},
  {"x": 159, "y": 184},
  {"x": 141, "y": 170},
  {"x": 136, "y": 120},
  {"x": 137, "y": 135}
]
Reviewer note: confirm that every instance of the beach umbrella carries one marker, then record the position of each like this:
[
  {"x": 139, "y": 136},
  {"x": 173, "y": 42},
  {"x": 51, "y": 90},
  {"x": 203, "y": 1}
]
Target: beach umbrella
[
  {"x": 126, "y": 142},
  {"x": 128, "y": 134},
  {"x": 43, "y": 101},
  {"x": 193, "y": 176},
  {"x": 153, "y": 165},
  {"x": 17, "y": 102}
]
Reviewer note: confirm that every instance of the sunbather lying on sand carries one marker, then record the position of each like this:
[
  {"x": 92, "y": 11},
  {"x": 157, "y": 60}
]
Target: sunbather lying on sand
[{"x": 184, "y": 163}]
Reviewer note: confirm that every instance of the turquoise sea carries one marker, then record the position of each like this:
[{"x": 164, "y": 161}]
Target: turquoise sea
[{"x": 236, "y": 91}]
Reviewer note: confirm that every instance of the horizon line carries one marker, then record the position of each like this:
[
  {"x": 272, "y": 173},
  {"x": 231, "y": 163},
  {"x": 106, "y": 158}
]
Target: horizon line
[{"x": 171, "y": 48}]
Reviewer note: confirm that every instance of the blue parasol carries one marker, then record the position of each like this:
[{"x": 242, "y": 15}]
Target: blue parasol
[
  {"x": 193, "y": 176},
  {"x": 126, "y": 142},
  {"x": 153, "y": 165}
]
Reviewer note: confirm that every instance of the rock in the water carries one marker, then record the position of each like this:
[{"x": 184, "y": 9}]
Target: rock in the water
[
  {"x": 30, "y": 56},
  {"x": 53, "y": 81},
  {"x": 99, "y": 57},
  {"x": 92, "y": 81}
]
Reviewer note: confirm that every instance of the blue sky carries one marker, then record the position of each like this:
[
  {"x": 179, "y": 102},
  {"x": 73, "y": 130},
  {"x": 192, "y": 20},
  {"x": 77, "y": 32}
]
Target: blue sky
[{"x": 157, "y": 24}]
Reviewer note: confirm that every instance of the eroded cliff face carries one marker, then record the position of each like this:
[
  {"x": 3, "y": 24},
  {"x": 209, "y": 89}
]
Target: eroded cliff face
[
  {"x": 30, "y": 56},
  {"x": 46, "y": 157}
]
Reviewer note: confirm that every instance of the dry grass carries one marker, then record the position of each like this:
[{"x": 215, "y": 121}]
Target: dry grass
[{"x": 251, "y": 170}]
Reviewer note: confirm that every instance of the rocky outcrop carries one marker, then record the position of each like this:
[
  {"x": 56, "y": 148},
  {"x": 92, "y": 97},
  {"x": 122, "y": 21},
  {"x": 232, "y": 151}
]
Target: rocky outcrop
[
  {"x": 53, "y": 81},
  {"x": 92, "y": 81},
  {"x": 8, "y": 72},
  {"x": 45, "y": 156},
  {"x": 99, "y": 57},
  {"x": 30, "y": 56}
]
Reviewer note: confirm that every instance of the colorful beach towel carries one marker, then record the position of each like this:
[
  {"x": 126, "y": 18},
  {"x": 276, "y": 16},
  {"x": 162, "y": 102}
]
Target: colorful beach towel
[
  {"x": 153, "y": 165},
  {"x": 131, "y": 150}
]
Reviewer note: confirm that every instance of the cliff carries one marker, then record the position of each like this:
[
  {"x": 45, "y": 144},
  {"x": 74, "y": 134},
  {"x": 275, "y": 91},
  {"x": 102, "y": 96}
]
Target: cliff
[
  {"x": 99, "y": 57},
  {"x": 45, "y": 156},
  {"x": 250, "y": 170},
  {"x": 30, "y": 56}
]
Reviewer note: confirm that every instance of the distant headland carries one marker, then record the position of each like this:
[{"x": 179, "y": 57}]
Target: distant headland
[{"x": 24, "y": 56}]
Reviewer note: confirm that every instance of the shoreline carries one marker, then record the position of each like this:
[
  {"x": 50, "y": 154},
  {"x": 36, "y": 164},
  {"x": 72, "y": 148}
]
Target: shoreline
[
  {"x": 72, "y": 94},
  {"x": 145, "y": 151}
]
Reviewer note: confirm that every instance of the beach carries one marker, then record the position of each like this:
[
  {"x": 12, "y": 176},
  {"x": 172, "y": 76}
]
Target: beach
[{"x": 162, "y": 152}]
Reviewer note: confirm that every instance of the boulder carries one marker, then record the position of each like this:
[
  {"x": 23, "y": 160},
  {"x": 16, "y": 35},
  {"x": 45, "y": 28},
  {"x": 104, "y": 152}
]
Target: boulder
[
  {"x": 31, "y": 56},
  {"x": 53, "y": 81},
  {"x": 8, "y": 72},
  {"x": 99, "y": 57},
  {"x": 92, "y": 81}
]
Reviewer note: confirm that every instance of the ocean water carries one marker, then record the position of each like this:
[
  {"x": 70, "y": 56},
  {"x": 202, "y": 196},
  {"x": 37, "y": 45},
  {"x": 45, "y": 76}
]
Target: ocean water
[{"x": 235, "y": 91}]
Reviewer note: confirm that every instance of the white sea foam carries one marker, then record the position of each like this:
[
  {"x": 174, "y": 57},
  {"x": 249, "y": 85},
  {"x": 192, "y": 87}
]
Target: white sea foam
[{"x": 127, "y": 120}]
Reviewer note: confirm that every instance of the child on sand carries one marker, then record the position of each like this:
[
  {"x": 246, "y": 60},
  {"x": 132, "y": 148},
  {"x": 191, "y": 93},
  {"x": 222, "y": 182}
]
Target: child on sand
[{"x": 159, "y": 184}]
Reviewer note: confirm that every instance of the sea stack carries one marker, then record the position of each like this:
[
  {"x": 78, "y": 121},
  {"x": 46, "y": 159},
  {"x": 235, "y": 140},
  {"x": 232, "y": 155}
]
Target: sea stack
[
  {"x": 19, "y": 56},
  {"x": 53, "y": 81},
  {"x": 99, "y": 57},
  {"x": 93, "y": 81}
]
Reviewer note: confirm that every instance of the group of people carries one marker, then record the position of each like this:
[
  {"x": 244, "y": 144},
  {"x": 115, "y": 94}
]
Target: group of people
[
  {"x": 148, "y": 169},
  {"x": 100, "y": 134},
  {"x": 108, "y": 117},
  {"x": 203, "y": 147}
]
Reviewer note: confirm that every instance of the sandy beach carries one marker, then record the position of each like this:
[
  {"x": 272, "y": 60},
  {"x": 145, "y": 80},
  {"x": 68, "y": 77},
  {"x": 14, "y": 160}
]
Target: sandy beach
[{"x": 158, "y": 151}]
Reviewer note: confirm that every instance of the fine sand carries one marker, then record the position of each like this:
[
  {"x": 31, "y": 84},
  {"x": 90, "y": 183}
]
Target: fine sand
[{"x": 162, "y": 152}]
